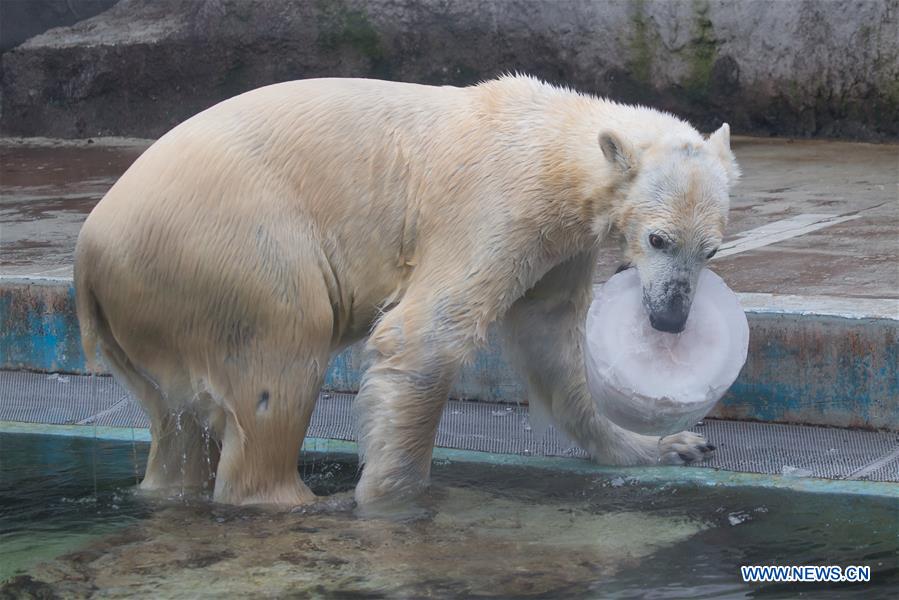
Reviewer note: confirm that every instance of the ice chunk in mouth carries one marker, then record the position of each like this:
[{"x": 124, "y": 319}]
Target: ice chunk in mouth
[{"x": 654, "y": 382}]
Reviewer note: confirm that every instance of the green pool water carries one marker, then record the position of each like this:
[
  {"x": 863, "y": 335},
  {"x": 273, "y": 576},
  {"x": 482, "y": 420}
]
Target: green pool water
[{"x": 72, "y": 526}]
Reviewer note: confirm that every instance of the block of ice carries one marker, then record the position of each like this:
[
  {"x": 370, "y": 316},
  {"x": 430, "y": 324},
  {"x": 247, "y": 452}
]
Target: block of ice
[{"x": 659, "y": 383}]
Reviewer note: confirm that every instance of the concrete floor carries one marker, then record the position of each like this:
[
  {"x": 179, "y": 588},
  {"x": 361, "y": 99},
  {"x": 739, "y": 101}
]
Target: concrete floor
[{"x": 809, "y": 218}]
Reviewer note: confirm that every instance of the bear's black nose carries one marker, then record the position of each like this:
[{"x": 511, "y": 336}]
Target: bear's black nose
[{"x": 668, "y": 322}]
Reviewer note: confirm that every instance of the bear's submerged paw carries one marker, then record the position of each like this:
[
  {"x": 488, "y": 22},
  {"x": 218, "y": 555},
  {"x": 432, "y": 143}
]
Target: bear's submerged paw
[
  {"x": 684, "y": 448},
  {"x": 285, "y": 495},
  {"x": 335, "y": 503},
  {"x": 405, "y": 507}
]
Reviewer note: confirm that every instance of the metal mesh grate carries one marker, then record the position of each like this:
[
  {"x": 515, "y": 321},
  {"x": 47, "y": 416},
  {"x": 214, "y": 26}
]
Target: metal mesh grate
[
  {"x": 497, "y": 428},
  {"x": 827, "y": 452},
  {"x": 888, "y": 472},
  {"x": 56, "y": 399}
]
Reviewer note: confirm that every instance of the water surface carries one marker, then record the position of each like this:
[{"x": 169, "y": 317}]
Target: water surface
[{"x": 71, "y": 526}]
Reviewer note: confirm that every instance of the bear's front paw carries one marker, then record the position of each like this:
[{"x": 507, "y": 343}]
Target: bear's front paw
[{"x": 683, "y": 448}]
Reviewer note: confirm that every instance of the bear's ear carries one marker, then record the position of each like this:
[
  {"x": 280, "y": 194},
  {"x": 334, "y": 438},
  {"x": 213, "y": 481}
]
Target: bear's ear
[
  {"x": 719, "y": 142},
  {"x": 618, "y": 152}
]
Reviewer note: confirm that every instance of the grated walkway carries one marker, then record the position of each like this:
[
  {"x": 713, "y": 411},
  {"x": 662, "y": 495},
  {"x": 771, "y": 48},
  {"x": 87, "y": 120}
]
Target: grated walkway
[{"x": 792, "y": 450}]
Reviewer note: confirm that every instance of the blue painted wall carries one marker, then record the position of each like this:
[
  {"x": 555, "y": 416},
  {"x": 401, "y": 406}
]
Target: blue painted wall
[
  {"x": 801, "y": 368},
  {"x": 38, "y": 328}
]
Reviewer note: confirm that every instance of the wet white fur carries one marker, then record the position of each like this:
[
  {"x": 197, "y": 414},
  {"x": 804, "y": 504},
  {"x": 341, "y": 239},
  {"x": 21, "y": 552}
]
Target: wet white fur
[{"x": 250, "y": 243}]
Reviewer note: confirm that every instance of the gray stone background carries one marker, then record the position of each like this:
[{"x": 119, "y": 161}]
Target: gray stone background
[{"x": 824, "y": 68}]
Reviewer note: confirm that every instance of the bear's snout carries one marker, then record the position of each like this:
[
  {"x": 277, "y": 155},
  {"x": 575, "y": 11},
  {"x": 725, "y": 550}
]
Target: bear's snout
[{"x": 670, "y": 315}]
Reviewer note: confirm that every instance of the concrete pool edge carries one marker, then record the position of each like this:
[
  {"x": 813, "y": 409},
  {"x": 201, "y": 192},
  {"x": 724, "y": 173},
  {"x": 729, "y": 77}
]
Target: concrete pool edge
[
  {"x": 703, "y": 477},
  {"x": 812, "y": 360}
]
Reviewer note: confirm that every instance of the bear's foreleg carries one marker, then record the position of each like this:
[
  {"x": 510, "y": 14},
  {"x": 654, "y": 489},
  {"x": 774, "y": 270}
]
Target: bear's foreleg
[
  {"x": 544, "y": 337},
  {"x": 415, "y": 354}
]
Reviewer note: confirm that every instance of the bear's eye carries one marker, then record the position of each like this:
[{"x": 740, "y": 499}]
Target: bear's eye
[
  {"x": 657, "y": 241},
  {"x": 711, "y": 254}
]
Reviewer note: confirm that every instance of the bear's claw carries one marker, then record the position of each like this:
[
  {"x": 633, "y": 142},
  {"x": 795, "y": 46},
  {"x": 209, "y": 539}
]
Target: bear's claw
[{"x": 683, "y": 448}]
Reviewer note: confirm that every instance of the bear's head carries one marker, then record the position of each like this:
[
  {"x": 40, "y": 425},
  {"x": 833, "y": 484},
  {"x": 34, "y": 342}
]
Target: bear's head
[{"x": 672, "y": 215}]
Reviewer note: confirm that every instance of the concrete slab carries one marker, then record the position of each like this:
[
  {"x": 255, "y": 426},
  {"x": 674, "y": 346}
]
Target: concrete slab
[{"x": 48, "y": 187}]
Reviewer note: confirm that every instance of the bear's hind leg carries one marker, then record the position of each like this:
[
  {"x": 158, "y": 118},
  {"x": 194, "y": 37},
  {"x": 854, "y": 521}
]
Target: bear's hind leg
[
  {"x": 183, "y": 455},
  {"x": 267, "y": 412}
]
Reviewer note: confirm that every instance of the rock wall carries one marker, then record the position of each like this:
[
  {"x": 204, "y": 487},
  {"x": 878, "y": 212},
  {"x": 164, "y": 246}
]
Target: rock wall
[
  {"x": 798, "y": 68},
  {"x": 22, "y": 19}
]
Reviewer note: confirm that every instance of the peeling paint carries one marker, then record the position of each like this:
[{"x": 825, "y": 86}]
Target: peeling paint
[{"x": 802, "y": 368}]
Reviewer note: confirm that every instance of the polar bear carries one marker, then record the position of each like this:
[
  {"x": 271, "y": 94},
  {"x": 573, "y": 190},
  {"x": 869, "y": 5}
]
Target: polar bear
[{"x": 256, "y": 239}]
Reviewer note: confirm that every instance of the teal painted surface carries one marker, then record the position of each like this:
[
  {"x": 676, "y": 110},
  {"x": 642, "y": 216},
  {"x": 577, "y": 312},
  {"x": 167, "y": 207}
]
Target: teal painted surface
[
  {"x": 38, "y": 328},
  {"x": 823, "y": 370},
  {"x": 802, "y": 368},
  {"x": 676, "y": 476},
  {"x": 345, "y": 371},
  {"x": 487, "y": 377}
]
